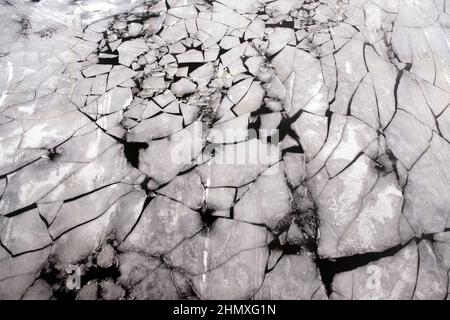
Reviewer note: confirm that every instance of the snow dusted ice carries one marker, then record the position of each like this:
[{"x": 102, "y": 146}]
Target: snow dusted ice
[{"x": 227, "y": 149}]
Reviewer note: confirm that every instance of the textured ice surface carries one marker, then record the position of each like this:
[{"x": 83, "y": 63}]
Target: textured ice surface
[{"x": 229, "y": 149}]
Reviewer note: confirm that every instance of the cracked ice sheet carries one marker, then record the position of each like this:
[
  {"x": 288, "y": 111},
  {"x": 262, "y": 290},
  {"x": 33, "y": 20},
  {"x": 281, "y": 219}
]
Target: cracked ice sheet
[{"x": 225, "y": 149}]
